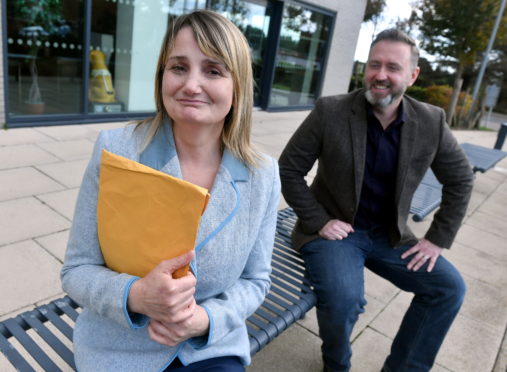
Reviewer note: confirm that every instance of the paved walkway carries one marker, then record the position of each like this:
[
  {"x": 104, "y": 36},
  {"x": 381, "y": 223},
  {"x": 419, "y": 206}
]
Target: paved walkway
[{"x": 40, "y": 173}]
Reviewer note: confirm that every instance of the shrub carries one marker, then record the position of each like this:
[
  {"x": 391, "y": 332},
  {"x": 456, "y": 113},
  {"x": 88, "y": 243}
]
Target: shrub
[{"x": 417, "y": 92}]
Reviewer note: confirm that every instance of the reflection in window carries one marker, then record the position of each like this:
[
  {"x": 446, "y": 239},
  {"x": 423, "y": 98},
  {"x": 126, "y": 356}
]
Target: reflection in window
[
  {"x": 252, "y": 19},
  {"x": 44, "y": 55},
  {"x": 303, "y": 43},
  {"x": 125, "y": 43}
]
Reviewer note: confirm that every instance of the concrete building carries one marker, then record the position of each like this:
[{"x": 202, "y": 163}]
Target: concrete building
[{"x": 94, "y": 61}]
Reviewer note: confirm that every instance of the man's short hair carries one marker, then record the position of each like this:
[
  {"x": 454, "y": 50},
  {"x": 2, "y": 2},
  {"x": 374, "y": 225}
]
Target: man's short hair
[{"x": 396, "y": 35}]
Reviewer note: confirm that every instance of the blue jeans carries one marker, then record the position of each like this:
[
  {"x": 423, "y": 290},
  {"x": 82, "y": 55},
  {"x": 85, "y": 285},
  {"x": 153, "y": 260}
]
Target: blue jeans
[{"x": 336, "y": 270}]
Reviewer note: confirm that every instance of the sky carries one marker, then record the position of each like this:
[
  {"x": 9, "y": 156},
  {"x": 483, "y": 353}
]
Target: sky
[{"x": 394, "y": 9}]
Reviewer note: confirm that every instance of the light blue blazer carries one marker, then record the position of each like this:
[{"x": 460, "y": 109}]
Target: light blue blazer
[{"x": 232, "y": 264}]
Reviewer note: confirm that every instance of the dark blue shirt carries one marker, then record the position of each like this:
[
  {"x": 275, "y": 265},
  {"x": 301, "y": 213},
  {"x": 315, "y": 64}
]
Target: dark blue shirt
[{"x": 376, "y": 204}]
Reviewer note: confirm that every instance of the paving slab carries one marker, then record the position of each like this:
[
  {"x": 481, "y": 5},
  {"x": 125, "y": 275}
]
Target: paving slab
[
  {"x": 63, "y": 202},
  {"x": 501, "y": 360},
  {"x": 369, "y": 351},
  {"x": 489, "y": 223},
  {"x": 5, "y": 366},
  {"x": 475, "y": 202},
  {"x": 485, "y": 303},
  {"x": 16, "y": 312},
  {"x": 33, "y": 275},
  {"x": 105, "y": 126},
  {"x": 478, "y": 265},
  {"x": 502, "y": 188},
  {"x": 496, "y": 206},
  {"x": 295, "y": 350},
  {"x": 24, "y": 156},
  {"x": 471, "y": 346},
  {"x": 420, "y": 228},
  {"x": 22, "y": 136},
  {"x": 379, "y": 288},
  {"x": 485, "y": 185},
  {"x": 372, "y": 310},
  {"x": 56, "y": 243},
  {"x": 68, "y": 173},
  {"x": 67, "y": 132},
  {"x": 69, "y": 150},
  {"x": 21, "y": 182},
  {"x": 481, "y": 240},
  {"x": 27, "y": 218},
  {"x": 389, "y": 320}
]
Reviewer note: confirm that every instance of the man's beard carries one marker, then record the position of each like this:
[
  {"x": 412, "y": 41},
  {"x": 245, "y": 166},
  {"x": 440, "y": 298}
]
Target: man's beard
[{"x": 384, "y": 101}]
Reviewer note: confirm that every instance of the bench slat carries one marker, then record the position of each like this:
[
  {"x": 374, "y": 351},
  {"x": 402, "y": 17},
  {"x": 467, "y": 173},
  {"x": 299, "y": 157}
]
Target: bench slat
[
  {"x": 30, "y": 345},
  {"x": 62, "y": 350},
  {"x": 13, "y": 355},
  {"x": 289, "y": 298}
]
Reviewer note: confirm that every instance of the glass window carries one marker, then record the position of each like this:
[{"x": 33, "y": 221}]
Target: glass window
[
  {"x": 252, "y": 19},
  {"x": 124, "y": 48},
  {"x": 299, "y": 63},
  {"x": 44, "y": 54}
]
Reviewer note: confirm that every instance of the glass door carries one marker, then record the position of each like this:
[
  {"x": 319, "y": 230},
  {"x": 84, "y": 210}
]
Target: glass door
[
  {"x": 300, "y": 59},
  {"x": 124, "y": 47},
  {"x": 44, "y": 57},
  {"x": 252, "y": 19}
]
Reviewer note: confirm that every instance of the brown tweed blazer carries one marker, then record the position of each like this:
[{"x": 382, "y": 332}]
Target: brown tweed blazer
[{"x": 334, "y": 133}]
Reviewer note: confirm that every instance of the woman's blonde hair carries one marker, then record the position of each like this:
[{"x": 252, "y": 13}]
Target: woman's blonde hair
[{"x": 218, "y": 38}]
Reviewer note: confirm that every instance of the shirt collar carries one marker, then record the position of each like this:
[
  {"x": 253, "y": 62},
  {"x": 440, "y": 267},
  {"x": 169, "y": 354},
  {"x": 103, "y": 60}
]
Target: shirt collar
[
  {"x": 162, "y": 149},
  {"x": 400, "y": 114}
]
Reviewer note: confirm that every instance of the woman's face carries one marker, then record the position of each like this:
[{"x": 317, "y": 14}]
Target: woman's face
[{"x": 196, "y": 89}]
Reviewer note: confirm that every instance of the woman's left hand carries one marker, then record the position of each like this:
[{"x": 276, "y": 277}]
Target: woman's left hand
[{"x": 171, "y": 334}]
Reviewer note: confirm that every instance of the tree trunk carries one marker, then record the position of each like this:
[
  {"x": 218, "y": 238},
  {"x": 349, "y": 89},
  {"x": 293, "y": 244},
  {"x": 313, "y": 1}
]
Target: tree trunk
[{"x": 458, "y": 82}]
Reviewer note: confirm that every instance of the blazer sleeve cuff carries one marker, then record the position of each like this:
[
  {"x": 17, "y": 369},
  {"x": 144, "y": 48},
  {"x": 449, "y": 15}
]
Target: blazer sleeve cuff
[
  {"x": 134, "y": 320},
  {"x": 203, "y": 341}
]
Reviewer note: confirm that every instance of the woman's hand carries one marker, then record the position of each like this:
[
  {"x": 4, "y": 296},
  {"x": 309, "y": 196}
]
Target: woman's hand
[
  {"x": 162, "y": 298},
  {"x": 171, "y": 334}
]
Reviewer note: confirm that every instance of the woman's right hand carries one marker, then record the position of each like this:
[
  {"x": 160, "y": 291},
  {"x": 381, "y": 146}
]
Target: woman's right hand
[{"x": 163, "y": 298}]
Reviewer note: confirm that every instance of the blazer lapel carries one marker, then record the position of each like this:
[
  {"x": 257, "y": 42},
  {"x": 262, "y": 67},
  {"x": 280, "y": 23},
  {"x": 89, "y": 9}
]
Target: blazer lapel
[
  {"x": 409, "y": 131},
  {"x": 358, "y": 132}
]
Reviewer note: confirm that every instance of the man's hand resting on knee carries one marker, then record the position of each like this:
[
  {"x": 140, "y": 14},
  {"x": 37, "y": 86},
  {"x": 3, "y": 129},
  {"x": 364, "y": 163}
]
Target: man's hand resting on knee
[
  {"x": 336, "y": 230},
  {"x": 422, "y": 251}
]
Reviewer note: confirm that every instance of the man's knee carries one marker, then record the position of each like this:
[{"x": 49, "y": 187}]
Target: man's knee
[
  {"x": 457, "y": 291},
  {"x": 341, "y": 304}
]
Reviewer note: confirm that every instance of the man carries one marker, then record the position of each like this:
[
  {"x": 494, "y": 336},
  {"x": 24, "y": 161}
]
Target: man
[{"x": 373, "y": 147}]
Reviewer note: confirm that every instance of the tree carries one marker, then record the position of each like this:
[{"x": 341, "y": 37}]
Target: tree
[
  {"x": 373, "y": 12},
  {"x": 457, "y": 31},
  {"x": 374, "y": 9}
]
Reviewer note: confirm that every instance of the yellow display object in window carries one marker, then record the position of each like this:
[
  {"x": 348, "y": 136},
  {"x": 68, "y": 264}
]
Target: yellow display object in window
[{"x": 101, "y": 85}]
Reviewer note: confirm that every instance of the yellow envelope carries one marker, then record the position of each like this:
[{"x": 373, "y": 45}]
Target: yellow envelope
[{"x": 145, "y": 216}]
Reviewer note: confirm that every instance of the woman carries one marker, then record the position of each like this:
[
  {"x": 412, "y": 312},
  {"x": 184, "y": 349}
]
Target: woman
[{"x": 200, "y": 133}]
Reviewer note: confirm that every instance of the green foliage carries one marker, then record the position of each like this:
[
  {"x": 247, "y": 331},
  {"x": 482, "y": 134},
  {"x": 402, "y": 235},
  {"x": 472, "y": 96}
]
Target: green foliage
[
  {"x": 458, "y": 29},
  {"x": 374, "y": 9},
  {"x": 417, "y": 92},
  {"x": 439, "y": 95},
  {"x": 44, "y": 13}
]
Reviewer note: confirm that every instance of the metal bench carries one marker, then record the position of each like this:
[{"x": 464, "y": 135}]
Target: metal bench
[
  {"x": 42, "y": 338},
  {"x": 428, "y": 194},
  {"x": 482, "y": 158},
  {"x": 427, "y": 197}
]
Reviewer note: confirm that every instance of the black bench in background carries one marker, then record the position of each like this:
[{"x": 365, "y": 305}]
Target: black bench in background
[
  {"x": 42, "y": 338},
  {"x": 428, "y": 195}
]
